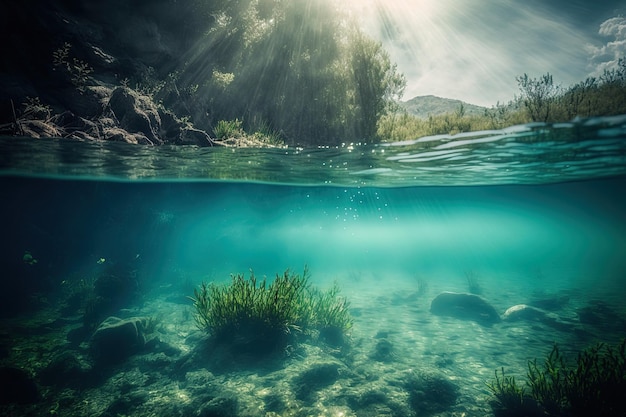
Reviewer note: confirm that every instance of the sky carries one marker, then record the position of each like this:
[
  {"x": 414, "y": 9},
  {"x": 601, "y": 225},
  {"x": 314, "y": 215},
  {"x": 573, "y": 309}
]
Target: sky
[{"x": 473, "y": 50}]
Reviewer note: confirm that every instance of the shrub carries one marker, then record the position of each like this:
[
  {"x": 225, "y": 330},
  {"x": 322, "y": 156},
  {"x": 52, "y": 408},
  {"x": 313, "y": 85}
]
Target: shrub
[
  {"x": 226, "y": 129},
  {"x": 261, "y": 316},
  {"x": 594, "y": 385}
]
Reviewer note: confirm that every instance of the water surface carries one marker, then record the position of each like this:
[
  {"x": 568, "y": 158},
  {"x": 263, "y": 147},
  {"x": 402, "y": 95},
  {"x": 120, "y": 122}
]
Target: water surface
[{"x": 527, "y": 154}]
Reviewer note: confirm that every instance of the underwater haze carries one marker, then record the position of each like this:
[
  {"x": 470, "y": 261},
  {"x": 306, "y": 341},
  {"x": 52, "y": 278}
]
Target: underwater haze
[{"x": 91, "y": 243}]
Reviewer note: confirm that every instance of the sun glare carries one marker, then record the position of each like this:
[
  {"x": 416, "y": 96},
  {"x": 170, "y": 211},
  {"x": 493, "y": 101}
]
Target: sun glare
[
  {"x": 397, "y": 13},
  {"x": 415, "y": 32}
]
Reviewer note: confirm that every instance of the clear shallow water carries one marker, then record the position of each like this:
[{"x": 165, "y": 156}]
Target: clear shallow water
[
  {"x": 532, "y": 215},
  {"x": 567, "y": 235},
  {"x": 528, "y": 154}
]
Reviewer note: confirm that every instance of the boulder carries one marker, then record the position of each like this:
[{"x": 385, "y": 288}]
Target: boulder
[
  {"x": 192, "y": 136},
  {"x": 88, "y": 101},
  {"x": 136, "y": 113},
  {"x": 431, "y": 393},
  {"x": 116, "y": 339},
  {"x": 465, "y": 306},
  {"x": 65, "y": 369},
  {"x": 524, "y": 312}
]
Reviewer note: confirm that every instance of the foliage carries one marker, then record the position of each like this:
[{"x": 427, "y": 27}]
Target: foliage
[
  {"x": 34, "y": 109},
  {"x": 402, "y": 126},
  {"x": 302, "y": 67},
  {"x": 538, "y": 96},
  {"x": 228, "y": 129},
  {"x": 264, "y": 314},
  {"x": 76, "y": 69},
  {"x": 377, "y": 83},
  {"x": 473, "y": 284},
  {"x": 540, "y": 101},
  {"x": 327, "y": 309},
  {"x": 594, "y": 385},
  {"x": 603, "y": 96},
  {"x": 263, "y": 132},
  {"x": 507, "y": 393}
]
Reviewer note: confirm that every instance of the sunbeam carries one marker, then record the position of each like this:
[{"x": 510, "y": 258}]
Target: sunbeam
[{"x": 472, "y": 50}]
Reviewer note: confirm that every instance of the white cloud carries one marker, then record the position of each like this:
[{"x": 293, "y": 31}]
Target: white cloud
[
  {"x": 606, "y": 57},
  {"x": 615, "y": 26}
]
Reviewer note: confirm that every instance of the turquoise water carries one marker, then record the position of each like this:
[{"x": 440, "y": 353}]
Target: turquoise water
[{"x": 536, "y": 212}]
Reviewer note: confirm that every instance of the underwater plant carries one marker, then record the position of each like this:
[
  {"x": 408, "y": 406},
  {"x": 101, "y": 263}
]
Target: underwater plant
[
  {"x": 594, "y": 385},
  {"x": 510, "y": 399},
  {"x": 251, "y": 313},
  {"x": 472, "y": 283}
]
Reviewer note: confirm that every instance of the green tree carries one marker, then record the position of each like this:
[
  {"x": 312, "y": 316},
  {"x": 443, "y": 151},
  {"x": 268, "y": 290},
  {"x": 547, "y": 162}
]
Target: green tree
[
  {"x": 376, "y": 81},
  {"x": 538, "y": 96},
  {"x": 297, "y": 67}
]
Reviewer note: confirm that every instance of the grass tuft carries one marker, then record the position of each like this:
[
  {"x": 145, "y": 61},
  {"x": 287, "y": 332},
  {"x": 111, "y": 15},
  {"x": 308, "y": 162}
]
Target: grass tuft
[{"x": 255, "y": 314}]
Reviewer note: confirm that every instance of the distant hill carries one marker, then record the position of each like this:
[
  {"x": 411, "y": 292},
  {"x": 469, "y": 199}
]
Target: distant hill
[{"x": 424, "y": 106}]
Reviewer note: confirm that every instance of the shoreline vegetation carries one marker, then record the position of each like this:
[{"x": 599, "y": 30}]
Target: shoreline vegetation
[
  {"x": 540, "y": 100},
  {"x": 237, "y": 77}
]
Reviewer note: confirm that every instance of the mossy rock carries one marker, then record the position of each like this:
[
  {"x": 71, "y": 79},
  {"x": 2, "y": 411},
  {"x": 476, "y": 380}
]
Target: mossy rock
[{"x": 431, "y": 393}]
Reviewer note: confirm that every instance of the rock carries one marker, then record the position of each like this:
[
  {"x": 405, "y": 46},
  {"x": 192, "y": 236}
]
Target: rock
[
  {"x": 17, "y": 387},
  {"x": 39, "y": 129},
  {"x": 117, "y": 134},
  {"x": 315, "y": 378},
  {"x": 466, "y": 307},
  {"x": 431, "y": 393},
  {"x": 193, "y": 136},
  {"x": 116, "y": 339},
  {"x": 65, "y": 369},
  {"x": 171, "y": 126},
  {"x": 523, "y": 312},
  {"x": 136, "y": 113},
  {"x": 86, "y": 102},
  {"x": 383, "y": 351}
]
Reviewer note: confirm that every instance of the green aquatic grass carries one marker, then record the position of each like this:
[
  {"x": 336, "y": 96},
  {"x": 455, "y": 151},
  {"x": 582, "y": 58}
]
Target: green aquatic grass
[
  {"x": 593, "y": 385},
  {"x": 508, "y": 394},
  {"x": 251, "y": 312}
]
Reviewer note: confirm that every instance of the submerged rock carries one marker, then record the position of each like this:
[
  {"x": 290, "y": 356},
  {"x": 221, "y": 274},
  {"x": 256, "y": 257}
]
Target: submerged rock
[
  {"x": 523, "y": 312},
  {"x": 318, "y": 376},
  {"x": 383, "y": 351},
  {"x": 465, "y": 306},
  {"x": 116, "y": 339},
  {"x": 431, "y": 393},
  {"x": 65, "y": 369}
]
